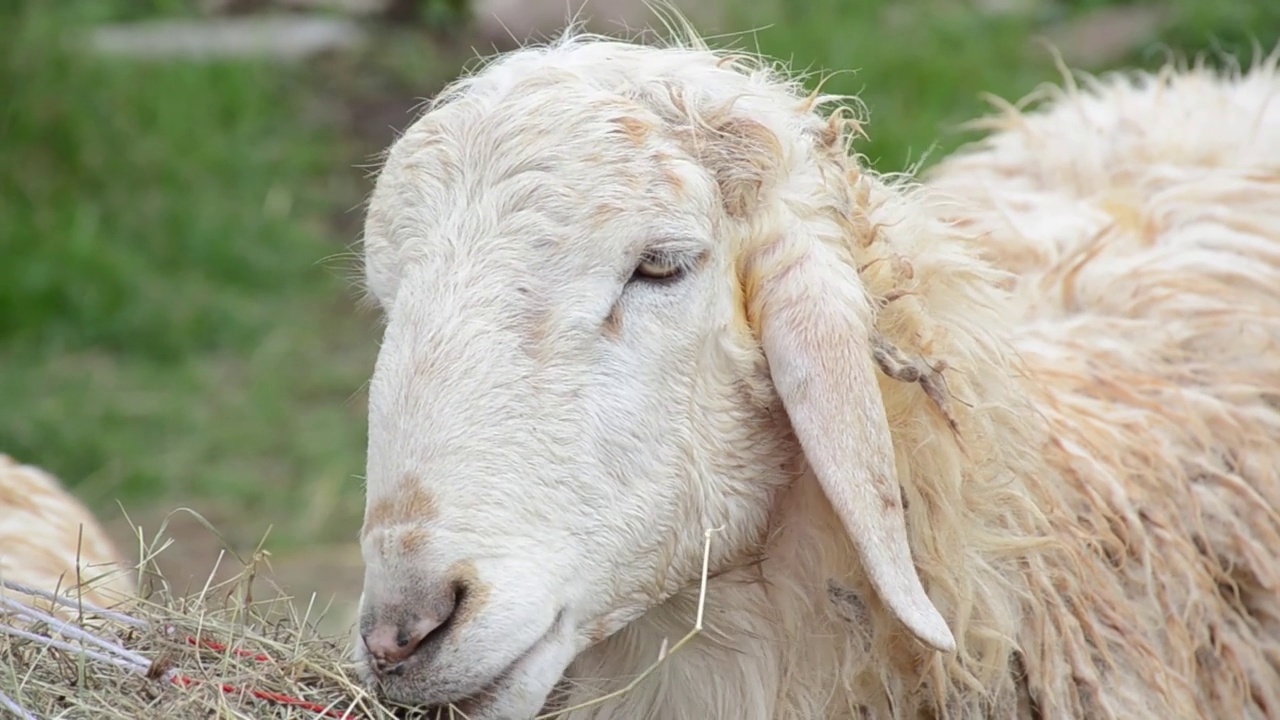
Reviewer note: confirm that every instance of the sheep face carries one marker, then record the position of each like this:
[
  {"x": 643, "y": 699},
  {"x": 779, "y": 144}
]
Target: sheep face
[{"x": 601, "y": 340}]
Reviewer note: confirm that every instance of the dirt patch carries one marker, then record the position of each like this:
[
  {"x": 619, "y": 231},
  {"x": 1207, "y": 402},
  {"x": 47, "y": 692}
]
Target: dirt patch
[
  {"x": 370, "y": 96},
  {"x": 372, "y": 122},
  {"x": 377, "y": 120},
  {"x": 1107, "y": 35}
]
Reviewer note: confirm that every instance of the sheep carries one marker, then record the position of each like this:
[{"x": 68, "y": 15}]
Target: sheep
[
  {"x": 1163, "y": 154},
  {"x": 1001, "y": 444},
  {"x": 51, "y": 542}
]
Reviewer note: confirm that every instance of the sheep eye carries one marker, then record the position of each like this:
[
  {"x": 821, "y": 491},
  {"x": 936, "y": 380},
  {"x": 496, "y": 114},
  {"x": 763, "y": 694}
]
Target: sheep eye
[{"x": 659, "y": 267}]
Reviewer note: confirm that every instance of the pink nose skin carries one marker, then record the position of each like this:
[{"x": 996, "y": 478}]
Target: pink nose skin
[{"x": 391, "y": 643}]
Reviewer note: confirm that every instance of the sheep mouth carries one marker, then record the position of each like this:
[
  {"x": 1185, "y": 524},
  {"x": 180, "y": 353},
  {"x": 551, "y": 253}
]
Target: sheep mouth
[
  {"x": 477, "y": 704},
  {"x": 474, "y": 705}
]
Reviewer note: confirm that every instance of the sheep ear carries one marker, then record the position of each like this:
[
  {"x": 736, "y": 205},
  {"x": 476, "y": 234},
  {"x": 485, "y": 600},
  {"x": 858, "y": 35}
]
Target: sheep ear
[{"x": 815, "y": 325}]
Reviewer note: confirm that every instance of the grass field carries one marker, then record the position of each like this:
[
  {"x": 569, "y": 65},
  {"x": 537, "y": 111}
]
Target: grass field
[{"x": 177, "y": 323}]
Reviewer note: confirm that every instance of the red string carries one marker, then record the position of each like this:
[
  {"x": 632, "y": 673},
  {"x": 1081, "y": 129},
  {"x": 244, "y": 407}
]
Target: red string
[
  {"x": 219, "y": 647},
  {"x": 278, "y": 698}
]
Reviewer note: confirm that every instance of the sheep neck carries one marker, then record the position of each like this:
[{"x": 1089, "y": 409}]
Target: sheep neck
[{"x": 771, "y": 644}]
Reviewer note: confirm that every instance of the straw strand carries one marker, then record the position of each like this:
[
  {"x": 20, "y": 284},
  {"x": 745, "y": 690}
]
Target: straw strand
[
  {"x": 120, "y": 656},
  {"x": 76, "y": 604},
  {"x": 12, "y": 706}
]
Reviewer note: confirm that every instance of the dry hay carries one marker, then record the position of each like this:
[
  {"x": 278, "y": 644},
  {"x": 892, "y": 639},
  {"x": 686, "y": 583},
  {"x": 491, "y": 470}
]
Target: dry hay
[
  {"x": 225, "y": 651},
  {"x": 228, "y": 650}
]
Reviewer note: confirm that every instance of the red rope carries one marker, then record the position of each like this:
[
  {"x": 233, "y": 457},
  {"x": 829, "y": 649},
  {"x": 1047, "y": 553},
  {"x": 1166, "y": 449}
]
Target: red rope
[
  {"x": 219, "y": 647},
  {"x": 278, "y": 698}
]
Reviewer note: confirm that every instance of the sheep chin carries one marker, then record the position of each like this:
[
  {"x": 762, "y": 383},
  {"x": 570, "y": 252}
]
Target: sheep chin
[{"x": 524, "y": 689}]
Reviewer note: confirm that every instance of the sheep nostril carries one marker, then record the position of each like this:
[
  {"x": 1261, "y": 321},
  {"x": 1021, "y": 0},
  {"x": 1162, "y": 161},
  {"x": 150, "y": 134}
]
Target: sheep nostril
[{"x": 392, "y": 642}]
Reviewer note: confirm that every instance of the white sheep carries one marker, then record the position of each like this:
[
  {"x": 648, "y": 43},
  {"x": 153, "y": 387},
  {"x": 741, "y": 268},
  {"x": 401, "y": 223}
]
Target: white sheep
[
  {"x": 50, "y": 541},
  {"x": 1011, "y": 450}
]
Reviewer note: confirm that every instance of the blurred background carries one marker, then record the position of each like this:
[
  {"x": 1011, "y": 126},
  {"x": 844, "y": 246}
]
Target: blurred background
[{"x": 180, "y": 198}]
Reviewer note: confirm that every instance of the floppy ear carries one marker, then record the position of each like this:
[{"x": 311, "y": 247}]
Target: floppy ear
[
  {"x": 815, "y": 325},
  {"x": 815, "y": 320}
]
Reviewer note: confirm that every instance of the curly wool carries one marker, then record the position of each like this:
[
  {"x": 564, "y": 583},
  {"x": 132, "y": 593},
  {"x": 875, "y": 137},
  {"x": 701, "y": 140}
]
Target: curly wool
[
  {"x": 1139, "y": 219},
  {"x": 50, "y": 541},
  {"x": 1077, "y": 339}
]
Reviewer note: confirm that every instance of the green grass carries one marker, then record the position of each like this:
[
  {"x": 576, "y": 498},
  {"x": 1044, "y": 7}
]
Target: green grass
[
  {"x": 169, "y": 326},
  {"x": 174, "y": 326}
]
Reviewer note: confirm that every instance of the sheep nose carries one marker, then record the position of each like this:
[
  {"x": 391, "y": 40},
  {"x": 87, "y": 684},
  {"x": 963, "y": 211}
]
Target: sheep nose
[{"x": 392, "y": 641}]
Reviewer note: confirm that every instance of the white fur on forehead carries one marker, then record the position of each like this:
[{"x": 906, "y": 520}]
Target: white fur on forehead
[
  {"x": 622, "y": 67},
  {"x": 690, "y": 84},
  {"x": 747, "y": 122}
]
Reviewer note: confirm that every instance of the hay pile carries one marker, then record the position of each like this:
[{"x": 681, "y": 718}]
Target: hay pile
[{"x": 215, "y": 653}]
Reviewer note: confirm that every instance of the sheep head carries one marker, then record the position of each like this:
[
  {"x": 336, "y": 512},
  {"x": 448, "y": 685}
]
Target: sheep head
[{"x": 622, "y": 307}]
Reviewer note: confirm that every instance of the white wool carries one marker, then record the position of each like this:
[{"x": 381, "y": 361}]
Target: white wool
[
  {"x": 51, "y": 542},
  {"x": 987, "y": 448}
]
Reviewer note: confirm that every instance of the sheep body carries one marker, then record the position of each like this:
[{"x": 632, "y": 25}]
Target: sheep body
[
  {"x": 1140, "y": 218},
  {"x": 50, "y": 541},
  {"x": 1144, "y": 311},
  {"x": 1076, "y": 348}
]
